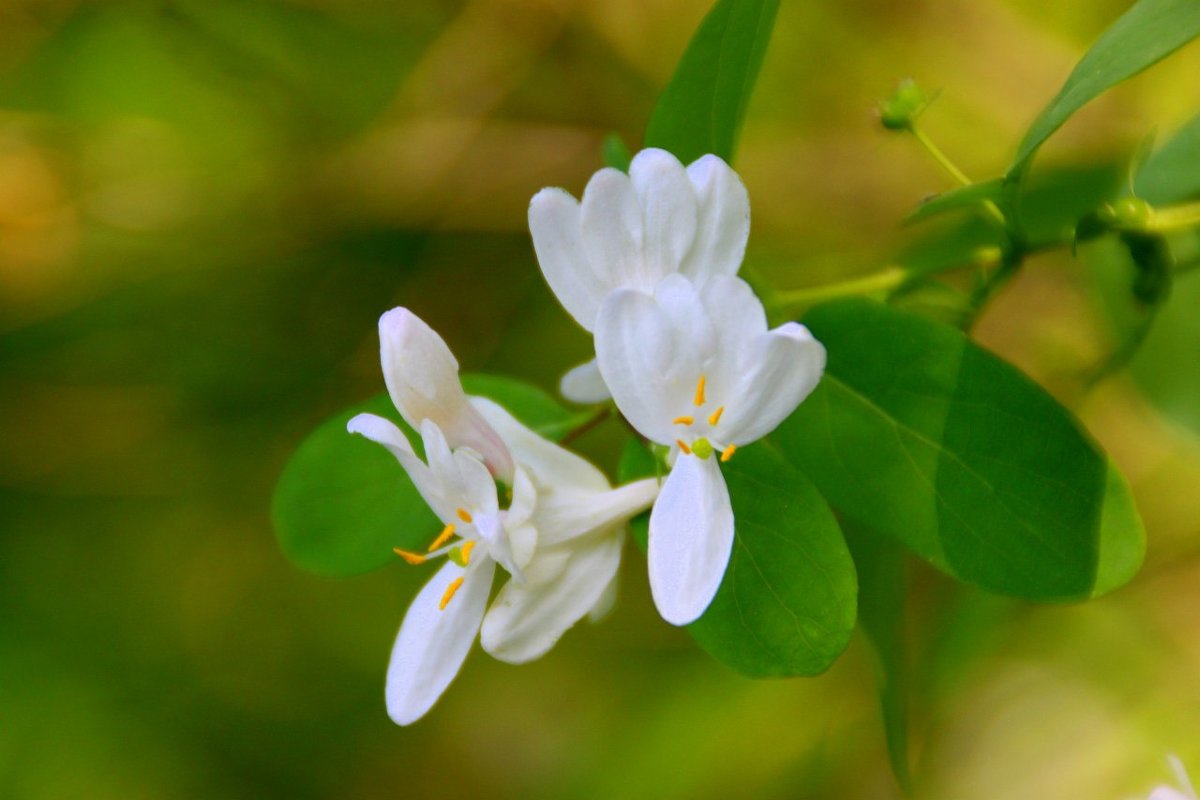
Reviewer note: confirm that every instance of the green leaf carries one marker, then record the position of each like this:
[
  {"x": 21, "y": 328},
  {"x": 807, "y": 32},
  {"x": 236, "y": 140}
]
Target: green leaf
[
  {"x": 702, "y": 108},
  {"x": 342, "y": 502},
  {"x": 787, "y": 604},
  {"x": 1172, "y": 173},
  {"x": 882, "y": 589},
  {"x": 615, "y": 153},
  {"x": 917, "y": 433},
  {"x": 956, "y": 199},
  {"x": 1145, "y": 34},
  {"x": 1165, "y": 366}
]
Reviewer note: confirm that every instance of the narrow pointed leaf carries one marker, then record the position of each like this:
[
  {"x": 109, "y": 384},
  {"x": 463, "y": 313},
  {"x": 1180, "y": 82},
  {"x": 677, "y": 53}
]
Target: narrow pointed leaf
[
  {"x": 702, "y": 108},
  {"x": 956, "y": 199},
  {"x": 1145, "y": 34}
]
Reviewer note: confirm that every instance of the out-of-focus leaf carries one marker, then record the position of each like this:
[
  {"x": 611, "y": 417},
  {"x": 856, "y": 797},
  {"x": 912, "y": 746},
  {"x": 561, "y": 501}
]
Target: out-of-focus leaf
[
  {"x": 1167, "y": 365},
  {"x": 882, "y": 588},
  {"x": 918, "y": 433},
  {"x": 956, "y": 199},
  {"x": 1171, "y": 174},
  {"x": 1122, "y": 535},
  {"x": 702, "y": 108},
  {"x": 787, "y": 604},
  {"x": 342, "y": 502},
  {"x": 615, "y": 153},
  {"x": 1148, "y": 32}
]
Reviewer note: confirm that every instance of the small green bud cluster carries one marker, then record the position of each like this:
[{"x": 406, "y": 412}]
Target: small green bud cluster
[{"x": 899, "y": 111}]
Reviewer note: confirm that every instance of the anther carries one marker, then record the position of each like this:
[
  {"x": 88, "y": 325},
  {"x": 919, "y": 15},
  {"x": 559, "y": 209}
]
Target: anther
[
  {"x": 698, "y": 400},
  {"x": 728, "y": 452},
  {"x": 466, "y": 552},
  {"x": 450, "y": 590},
  {"x": 464, "y": 515},
  {"x": 412, "y": 558},
  {"x": 684, "y": 420},
  {"x": 715, "y": 417},
  {"x": 683, "y": 448},
  {"x": 442, "y": 537}
]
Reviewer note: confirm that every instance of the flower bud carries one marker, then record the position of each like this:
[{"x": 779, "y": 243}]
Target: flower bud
[{"x": 898, "y": 112}]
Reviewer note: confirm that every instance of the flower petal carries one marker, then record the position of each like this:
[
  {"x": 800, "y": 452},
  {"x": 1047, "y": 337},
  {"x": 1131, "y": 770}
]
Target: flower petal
[
  {"x": 433, "y": 642},
  {"x": 422, "y": 378},
  {"x": 668, "y": 202},
  {"x": 723, "y": 220},
  {"x": 525, "y": 621},
  {"x": 608, "y": 599},
  {"x": 691, "y": 537},
  {"x": 387, "y": 433},
  {"x": 1167, "y": 793},
  {"x": 643, "y": 364},
  {"x": 554, "y": 222},
  {"x": 584, "y": 384},
  {"x": 611, "y": 222},
  {"x": 563, "y": 515},
  {"x": 462, "y": 478},
  {"x": 546, "y": 463},
  {"x": 779, "y": 370}
]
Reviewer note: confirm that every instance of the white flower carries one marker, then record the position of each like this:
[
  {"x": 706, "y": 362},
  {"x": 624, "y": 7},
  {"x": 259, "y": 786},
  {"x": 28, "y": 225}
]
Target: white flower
[
  {"x": 560, "y": 538},
  {"x": 631, "y": 231},
  {"x": 421, "y": 375},
  {"x": 696, "y": 368}
]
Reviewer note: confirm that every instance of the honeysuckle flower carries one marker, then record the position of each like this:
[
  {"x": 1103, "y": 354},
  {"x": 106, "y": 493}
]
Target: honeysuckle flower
[
  {"x": 559, "y": 538},
  {"x": 695, "y": 368},
  {"x": 631, "y": 231},
  {"x": 421, "y": 375}
]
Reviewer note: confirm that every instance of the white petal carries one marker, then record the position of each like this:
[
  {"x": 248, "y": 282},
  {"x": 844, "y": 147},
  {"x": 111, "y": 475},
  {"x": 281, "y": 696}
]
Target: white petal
[
  {"x": 422, "y": 378},
  {"x": 1167, "y": 793},
  {"x": 584, "y": 384},
  {"x": 563, "y": 515},
  {"x": 735, "y": 311},
  {"x": 643, "y": 364},
  {"x": 668, "y": 202},
  {"x": 678, "y": 299},
  {"x": 611, "y": 220},
  {"x": 463, "y": 480},
  {"x": 723, "y": 220},
  {"x": 608, "y": 599},
  {"x": 388, "y": 434},
  {"x": 554, "y": 222},
  {"x": 546, "y": 463},
  {"x": 524, "y": 500},
  {"x": 691, "y": 537},
  {"x": 433, "y": 643},
  {"x": 780, "y": 369},
  {"x": 525, "y": 621}
]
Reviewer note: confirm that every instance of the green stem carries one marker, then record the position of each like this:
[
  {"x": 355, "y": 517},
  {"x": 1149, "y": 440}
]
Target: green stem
[
  {"x": 882, "y": 281},
  {"x": 952, "y": 169},
  {"x": 1175, "y": 218}
]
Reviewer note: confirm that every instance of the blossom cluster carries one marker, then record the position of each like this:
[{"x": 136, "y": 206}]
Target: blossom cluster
[{"x": 647, "y": 262}]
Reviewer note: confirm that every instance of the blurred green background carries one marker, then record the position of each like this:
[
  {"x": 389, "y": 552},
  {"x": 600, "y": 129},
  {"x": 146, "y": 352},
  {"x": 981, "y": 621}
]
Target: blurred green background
[{"x": 206, "y": 204}]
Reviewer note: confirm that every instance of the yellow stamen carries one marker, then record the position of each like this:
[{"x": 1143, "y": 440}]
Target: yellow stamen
[
  {"x": 466, "y": 552},
  {"x": 682, "y": 421},
  {"x": 450, "y": 590},
  {"x": 412, "y": 558},
  {"x": 728, "y": 452},
  {"x": 699, "y": 398},
  {"x": 464, "y": 515},
  {"x": 683, "y": 448},
  {"x": 715, "y": 417},
  {"x": 442, "y": 537}
]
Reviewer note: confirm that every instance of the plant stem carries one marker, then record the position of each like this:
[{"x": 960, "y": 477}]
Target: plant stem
[
  {"x": 952, "y": 170},
  {"x": 882, "y": 281},
  {"x": 1175, "y": 218},
  {"x": 587, "y": 425}
]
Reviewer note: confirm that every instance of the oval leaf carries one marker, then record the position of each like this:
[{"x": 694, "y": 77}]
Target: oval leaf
[
  {"x": 1145, "y": 34},
  {"x": 918, "y": 433},
  {"x": 787, "y": 604},
  {"x": 342, "y": 502},
  {"x": 702, "y": 108}
]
